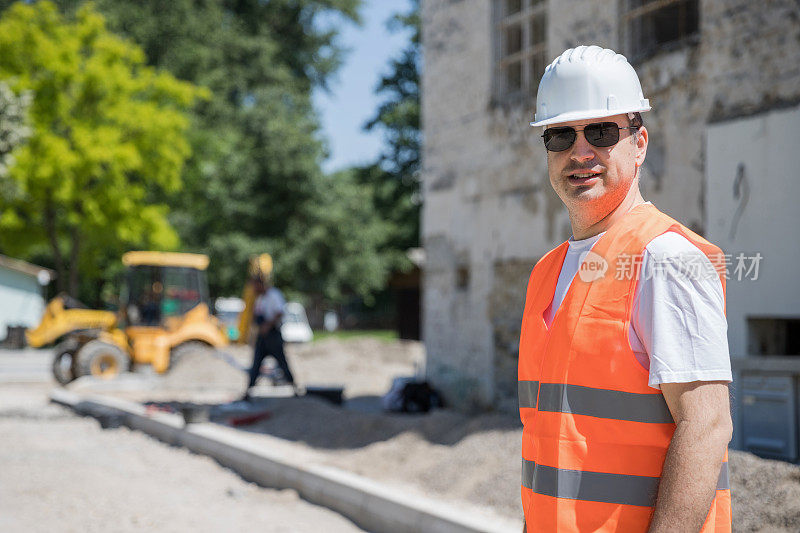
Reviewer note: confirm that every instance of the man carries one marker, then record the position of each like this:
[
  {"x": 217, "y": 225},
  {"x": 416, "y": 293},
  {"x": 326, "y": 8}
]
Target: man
[
  {"x": 623, "y": 362},
  {"x": 267, "y": 313}
]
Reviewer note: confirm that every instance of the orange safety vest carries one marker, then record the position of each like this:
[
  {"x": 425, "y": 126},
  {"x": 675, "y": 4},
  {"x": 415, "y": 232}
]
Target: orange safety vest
[{"x": 595, "y": 434}]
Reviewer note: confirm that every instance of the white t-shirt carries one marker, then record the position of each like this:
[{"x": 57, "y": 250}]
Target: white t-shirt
[
  {"x": 270, "y": 304},
  {"x": 678, "y": 328}
]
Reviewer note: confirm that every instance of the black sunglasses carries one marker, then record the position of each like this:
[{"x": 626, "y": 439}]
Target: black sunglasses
[{"x": 600, "y": 134}]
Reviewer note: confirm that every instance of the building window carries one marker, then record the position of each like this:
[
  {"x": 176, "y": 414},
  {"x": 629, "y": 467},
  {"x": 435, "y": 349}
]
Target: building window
[
  {"x": 654, "y": 25},
  {"x": 521, "y": 36},
  {"x": 773, "y": 336},
  {"x": 462, "y": 277}
]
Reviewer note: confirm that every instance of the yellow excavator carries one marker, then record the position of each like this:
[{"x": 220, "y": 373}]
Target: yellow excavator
[{"x": 164, "y": 313}]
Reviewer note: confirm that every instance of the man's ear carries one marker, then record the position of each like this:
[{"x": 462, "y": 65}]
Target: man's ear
[{"x": 641, "y": 145}]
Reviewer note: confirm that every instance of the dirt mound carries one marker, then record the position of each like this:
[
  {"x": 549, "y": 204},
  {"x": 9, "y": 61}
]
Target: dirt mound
[
  {"x": 201, "y": 369},
  {"x": 765, "y": 494},
  {"x": 362, "y": 347},
  {"x": 474, "y": 460},
  {"x": 364, "y": 366}
]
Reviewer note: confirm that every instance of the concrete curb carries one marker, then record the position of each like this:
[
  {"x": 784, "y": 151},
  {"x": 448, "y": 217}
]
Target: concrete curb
[{"x": 369, "y": 504}]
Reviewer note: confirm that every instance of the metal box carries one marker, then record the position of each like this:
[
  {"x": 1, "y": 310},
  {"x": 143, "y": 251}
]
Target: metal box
[{"x": 768, "y": 404}]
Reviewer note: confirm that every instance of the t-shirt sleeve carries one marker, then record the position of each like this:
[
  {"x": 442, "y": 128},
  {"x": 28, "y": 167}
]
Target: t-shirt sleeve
[{"x": 679, "y": 314}]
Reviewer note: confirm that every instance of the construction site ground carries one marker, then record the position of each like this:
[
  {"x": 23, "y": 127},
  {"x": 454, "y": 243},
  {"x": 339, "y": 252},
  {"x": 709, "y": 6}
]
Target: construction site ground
[
  {"x": 469, "y": 461},
  {"x": 62, "y": 472}
]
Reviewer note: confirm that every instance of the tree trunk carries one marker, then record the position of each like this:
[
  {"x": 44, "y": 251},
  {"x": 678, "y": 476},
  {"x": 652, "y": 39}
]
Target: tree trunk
[
  {"x": 74, "y": 280},
  {"x": 52, "y": 235}
]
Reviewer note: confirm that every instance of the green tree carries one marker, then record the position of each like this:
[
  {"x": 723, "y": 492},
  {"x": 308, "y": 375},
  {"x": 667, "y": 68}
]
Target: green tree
[
  {"x": 255, "y": 170},
  {"x": 337, "y": 249},
  {"x": 14, "y": 129},
  {"x": 395, "y": 176},
  {"x": 253, "y": 182},
  {"x": 108, "y": 133}
]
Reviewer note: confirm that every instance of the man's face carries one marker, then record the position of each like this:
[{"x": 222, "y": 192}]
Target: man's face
[{"x": 590, "y": 180}]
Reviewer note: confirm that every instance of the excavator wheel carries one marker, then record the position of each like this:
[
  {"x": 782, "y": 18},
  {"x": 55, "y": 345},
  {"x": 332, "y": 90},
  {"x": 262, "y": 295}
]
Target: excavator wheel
[
  {"x": 101, "y": 359},
  {"x": 64, "y": 361}
]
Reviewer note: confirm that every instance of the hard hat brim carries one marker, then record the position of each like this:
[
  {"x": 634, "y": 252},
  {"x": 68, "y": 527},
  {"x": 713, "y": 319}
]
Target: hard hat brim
[{"x": 585, "y": 115}]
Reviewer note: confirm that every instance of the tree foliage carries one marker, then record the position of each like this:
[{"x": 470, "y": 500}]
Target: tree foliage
[
  {"x": 337, "y": 249},
  {"x": 108, "y": 139},
  {"x": 395, "y": 176},
  {"x": 14, "y": 128},
  {"x": 254, "y": 182}
]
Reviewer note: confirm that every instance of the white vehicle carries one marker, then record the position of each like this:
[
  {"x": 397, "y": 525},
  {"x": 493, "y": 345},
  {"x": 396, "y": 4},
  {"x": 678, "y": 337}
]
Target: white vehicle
[
  {"x": 228, "y": 310},
  {"x": 295, "y": 326}
]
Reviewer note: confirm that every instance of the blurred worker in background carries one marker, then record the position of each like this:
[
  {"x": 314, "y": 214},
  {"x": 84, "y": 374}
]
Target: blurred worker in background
[
  {"x": 623, "y": 358},
  {"x": 267, "y": 314}
]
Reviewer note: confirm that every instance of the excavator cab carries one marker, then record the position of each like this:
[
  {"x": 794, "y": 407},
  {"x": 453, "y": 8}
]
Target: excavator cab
[{"x": 155, "y": 294}]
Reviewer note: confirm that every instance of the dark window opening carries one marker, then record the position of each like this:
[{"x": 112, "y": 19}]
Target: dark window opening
[
  {"x": 513, "y": 39},
  {"x": 773, "y": 336},
  {"x": 537, "y": 34},
  {"x": 514, "y": 77},
  {"x": 513, "y": 6},
  {"x": 521, "y": 48},
  {"x": 462, "y": 277},
  {"x": 653, "y": 25},
  {"x": 538, "y": 64}
]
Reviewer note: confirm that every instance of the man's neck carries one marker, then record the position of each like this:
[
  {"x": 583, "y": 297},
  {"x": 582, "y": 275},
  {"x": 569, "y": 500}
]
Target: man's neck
[{"x": 631, "y": 200}]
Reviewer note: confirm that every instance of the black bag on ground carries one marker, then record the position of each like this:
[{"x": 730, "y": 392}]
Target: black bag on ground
[{"x": 420, "y": 398}]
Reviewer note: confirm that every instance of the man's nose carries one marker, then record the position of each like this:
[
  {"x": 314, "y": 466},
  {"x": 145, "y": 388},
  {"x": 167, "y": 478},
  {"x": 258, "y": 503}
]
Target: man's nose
[{"x": 582, "y": 150}]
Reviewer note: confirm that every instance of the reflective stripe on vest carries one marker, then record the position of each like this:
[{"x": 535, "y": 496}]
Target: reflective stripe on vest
[
  {"x": 598, "y": 486},
  {"x": 600, "y": 403},
  {"x": 527, "y": 391}
]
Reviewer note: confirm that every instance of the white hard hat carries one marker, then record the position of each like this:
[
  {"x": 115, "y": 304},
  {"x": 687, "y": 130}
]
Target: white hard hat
[{"x": 588, "y": 82}]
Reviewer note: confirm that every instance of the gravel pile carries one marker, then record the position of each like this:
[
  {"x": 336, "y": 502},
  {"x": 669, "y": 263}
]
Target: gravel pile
[
  {"x": 202, "y": 370},
  {"x": 364, "y": 367},
  {"x": 765, "y": 494},
  {"x": 474, "y": 460}
]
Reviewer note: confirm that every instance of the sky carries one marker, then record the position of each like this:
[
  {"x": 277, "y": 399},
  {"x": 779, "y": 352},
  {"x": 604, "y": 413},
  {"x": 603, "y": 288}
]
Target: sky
[{"x": 352, "y": 101}]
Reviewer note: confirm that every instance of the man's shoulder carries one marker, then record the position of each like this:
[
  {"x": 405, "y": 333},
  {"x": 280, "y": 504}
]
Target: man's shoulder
[
  {"x": 672, "y": 261},
  {"x": 677, "y": 249},
  {"x": 551, "y": 255},
  {"x": 667, "y": 225},
  {"x": 276, "y": 295},
  {"x": 672, "y": 244},
  {"x": 541, "y": 266}
]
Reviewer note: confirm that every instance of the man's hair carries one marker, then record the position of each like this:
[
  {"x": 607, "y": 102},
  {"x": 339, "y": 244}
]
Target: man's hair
[{"x": 635, "y": 121}]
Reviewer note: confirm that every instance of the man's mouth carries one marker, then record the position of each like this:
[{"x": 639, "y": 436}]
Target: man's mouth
[{"x": 579, "y": 178}]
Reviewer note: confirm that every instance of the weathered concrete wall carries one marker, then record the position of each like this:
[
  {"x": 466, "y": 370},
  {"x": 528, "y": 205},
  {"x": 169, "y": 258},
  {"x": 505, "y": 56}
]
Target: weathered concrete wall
[
  {"x": 758, "y": 152},
  {"x": 489, "y": 209}
]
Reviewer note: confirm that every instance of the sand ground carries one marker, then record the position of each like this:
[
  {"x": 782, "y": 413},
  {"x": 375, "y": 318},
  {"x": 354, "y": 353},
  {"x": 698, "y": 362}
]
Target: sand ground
[
  {"x": 61, "y": 472},
  {"x": 469, "y": 461}
]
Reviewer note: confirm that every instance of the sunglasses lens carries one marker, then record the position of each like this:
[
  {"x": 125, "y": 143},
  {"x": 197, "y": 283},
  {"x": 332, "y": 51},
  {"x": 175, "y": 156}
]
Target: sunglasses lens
[
  {"x": 602, "y": 135},
  {"x": 558, "y": 139}
]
